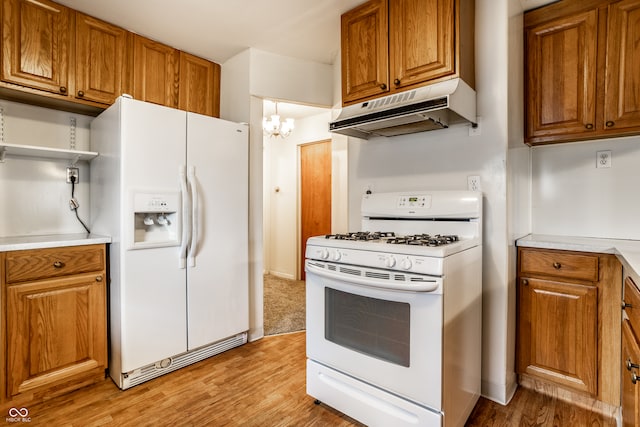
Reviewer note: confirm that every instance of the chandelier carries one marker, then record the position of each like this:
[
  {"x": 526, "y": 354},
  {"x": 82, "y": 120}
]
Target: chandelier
[{"x": 275, "y": 127}]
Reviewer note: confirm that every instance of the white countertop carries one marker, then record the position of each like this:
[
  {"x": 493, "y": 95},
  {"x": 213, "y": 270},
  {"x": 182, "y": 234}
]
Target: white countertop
[
  {"x": 17, "y": 243},
  {"x": 628, "y": 251}
]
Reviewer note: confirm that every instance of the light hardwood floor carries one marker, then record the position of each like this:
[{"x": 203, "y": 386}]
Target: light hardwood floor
[{"x": 259, "y": 384}]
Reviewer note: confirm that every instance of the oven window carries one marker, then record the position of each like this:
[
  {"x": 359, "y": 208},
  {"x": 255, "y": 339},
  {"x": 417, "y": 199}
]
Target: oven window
[{"x": 375, "y": 327}]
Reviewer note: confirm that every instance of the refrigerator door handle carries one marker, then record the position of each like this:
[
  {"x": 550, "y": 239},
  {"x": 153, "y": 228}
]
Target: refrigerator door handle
[
  {"x": 193, "y": 183},
  {"x": 186, "y": 217}
]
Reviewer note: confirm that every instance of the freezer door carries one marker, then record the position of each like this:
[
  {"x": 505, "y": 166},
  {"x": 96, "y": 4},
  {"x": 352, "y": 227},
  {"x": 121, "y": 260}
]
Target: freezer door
[
  {"x": 218, "y": 271},
  {"x": 152, "y": 300}
]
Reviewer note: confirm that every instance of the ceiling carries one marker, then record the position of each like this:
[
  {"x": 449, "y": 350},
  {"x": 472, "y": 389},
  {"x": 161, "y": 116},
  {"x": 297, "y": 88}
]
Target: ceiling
[{"x": 219, "y": 29}]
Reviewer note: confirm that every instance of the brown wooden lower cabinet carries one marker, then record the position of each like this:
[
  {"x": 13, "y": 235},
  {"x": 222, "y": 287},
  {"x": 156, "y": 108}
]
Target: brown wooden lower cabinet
[
  {"x": 568, "y": 323},
  {"x": 55, "y": 333}
]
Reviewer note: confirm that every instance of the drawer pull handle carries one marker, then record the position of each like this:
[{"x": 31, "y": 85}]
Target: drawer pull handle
[
  {"x": 625, "y": 305},
  {"x": 557, "y": 265},
  {"x": 630, "y": 365},
  {"x": 58, "y": 264},
  {"x": 98, "y": 278}
]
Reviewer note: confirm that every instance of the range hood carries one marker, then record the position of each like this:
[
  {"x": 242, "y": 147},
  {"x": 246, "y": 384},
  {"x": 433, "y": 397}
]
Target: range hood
[{"x": 429, "y": 107}]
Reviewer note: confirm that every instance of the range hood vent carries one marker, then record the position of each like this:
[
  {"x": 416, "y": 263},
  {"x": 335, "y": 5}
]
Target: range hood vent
[{"x": 432, "y": 107}]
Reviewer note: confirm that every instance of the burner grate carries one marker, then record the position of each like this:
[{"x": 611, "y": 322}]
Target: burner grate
[
  {"x": 424, "y": 240},
  {"x": 361, "y": 235}
]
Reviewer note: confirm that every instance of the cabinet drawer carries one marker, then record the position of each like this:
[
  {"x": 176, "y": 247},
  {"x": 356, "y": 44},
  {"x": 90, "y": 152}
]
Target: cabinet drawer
[
  {"x": 559, "y": 264},
  {"x": 37, "y": 264},
  {"x": 632, "y": 304}
]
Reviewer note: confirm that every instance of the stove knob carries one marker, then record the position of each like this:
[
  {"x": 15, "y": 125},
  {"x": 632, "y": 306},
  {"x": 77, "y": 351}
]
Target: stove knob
[
  {"x": 336, "y": 256},
  {"x": 406, "y": 263},
  {"x": 324, "y": 254},
  {"x": 390, "y": 262}
]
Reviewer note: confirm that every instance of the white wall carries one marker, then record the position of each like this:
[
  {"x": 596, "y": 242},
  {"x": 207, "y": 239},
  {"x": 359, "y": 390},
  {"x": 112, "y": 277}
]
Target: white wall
[
  {"x": 281, "y": 194},
  {"x": 571, "y": 197},
  {"x": 34, "y": 193},
  {"x": 442, "y": 160},
  {"x": 244, "y": 81}
]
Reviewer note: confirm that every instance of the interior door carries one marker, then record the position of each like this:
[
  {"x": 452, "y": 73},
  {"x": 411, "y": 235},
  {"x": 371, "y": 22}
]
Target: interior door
[
  {"x": 315, "y": 193},
  {"x": 218, "y": 282}
]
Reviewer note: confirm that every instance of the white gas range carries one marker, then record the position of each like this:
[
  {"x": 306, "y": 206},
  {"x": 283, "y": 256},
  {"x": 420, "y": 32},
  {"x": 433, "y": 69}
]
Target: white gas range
[{"x": 394, "y": 312}]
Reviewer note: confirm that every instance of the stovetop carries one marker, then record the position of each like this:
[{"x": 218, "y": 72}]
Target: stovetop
[{"x": 391, "y": 238}]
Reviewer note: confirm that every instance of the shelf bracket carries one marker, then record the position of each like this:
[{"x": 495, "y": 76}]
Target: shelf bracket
[
  {"x": 75, "y": 160},
  {"x": 3, "y": 151},
  {"x": 72, "y": 133}
]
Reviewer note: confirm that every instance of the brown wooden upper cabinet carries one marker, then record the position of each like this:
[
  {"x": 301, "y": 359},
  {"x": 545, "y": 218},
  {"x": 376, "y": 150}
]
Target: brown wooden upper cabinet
[
  {"x": 199, "y": 85},
  {"x": 155, "y": 72},
  {"x": 51, "y": 53},
  {"x": 36, "y": 44},
  {"x": 581, "y": 76},
  {"x": 51, "y": 48},
  {"x": 100, "y": 60},
  {"x": 395, "y": 45}
]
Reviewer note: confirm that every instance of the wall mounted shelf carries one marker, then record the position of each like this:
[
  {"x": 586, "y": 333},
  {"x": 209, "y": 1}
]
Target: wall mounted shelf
[{"x": 17, "y": 150}]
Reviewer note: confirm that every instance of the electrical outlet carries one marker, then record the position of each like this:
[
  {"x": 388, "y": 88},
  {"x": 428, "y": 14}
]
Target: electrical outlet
[
  {"x": 73, "y": 172},
  {"x": 473, "y": 183},
  {"x": 603, "y": 159}
]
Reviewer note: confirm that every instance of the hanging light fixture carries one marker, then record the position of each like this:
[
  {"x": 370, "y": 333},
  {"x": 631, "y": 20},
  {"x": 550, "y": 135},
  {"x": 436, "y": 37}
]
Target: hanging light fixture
[{"x": 275, "y": 127}]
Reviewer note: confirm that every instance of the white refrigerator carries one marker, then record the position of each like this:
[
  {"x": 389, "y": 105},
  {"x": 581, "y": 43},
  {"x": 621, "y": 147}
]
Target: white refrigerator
[{"x": 171, "y": 189}]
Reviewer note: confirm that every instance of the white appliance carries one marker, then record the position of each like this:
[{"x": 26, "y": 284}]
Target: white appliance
[
  {"x": 394, "y": 313},
  {"x": 171, "y": 189}
]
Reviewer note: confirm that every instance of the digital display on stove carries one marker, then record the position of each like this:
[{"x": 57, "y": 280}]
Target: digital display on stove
[{"x": 413, "y": 199}]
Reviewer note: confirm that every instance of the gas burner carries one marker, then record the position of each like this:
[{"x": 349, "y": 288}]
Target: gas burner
[
  {"x": 361, "y": 235},
  {"x": 424, "y": 240}
]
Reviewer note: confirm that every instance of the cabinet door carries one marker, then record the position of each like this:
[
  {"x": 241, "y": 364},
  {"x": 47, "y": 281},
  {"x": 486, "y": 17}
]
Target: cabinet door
[
  {"x": 560, "y": 77},
  {"x": 365, "y": 51},
  {"x": 558, "y": 333},
  {"x": 622, "y": 97},
  {"x": 100, "y": 54},
  {"x": 35, "y": 44},
  {"x": 630, "y": 385},
  {"x": 199, "y": 85},
  {"x": 56, "y": 330},
  {"x": 421, "y": 34},
  {"x": 155, "y": 74}
]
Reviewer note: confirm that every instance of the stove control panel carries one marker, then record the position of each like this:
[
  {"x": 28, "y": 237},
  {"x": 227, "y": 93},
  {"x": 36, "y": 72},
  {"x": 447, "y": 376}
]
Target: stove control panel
[{"x": 418, "y": 201}]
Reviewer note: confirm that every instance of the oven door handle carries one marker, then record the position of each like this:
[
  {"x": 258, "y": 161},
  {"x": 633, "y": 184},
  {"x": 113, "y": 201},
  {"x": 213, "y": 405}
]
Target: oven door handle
[{"x": 422, "y": 286}]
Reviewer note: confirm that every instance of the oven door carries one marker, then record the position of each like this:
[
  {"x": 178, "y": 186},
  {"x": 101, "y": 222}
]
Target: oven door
[{"x": 386, "y": 337}]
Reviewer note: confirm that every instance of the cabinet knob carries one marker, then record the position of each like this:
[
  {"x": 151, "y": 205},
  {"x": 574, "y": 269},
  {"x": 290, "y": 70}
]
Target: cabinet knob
[
  {"x": 634, "y": 377},
  {"x": 63, "y": 89},
  {"x": 609, "y": 123},
  {"x": 396, "y": 82},
  {"x": 589, "y": 126},
  {"x": 383, "y": 86},
  {"x": 58, "y": 264},
  {"x": 80, "y": 94},
  {"x": 98, "y": 278},
  {"x": 557, "y": 265},
  {"x": 625, "y": 305},
  {"x": 630, "y": 365},
  {"x": 525, "y": 282}
]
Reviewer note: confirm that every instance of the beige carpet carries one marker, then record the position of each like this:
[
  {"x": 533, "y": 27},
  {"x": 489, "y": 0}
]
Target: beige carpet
[{"x": 284, "y": 305}]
